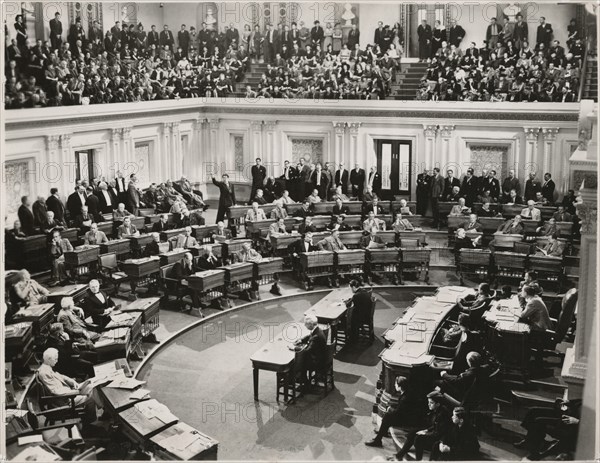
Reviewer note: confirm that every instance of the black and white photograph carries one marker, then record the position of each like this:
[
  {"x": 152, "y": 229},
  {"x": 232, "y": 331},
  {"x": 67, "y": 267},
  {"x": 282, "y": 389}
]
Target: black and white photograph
[{"x": 299, "y": 231}]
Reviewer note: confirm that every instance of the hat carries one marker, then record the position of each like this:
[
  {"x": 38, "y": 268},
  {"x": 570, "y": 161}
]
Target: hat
[{"x": 436, "y": 396}]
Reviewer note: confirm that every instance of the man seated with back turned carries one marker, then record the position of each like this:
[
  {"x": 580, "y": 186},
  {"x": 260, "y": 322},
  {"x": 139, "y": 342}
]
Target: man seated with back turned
[
  {"x": 457, "y": 385},
  {"x": 314, "y": 349},
  {"x": 406, "y": 413},
  {"x": 360, "y": 304},
  {"x": 300, "y": 247},
  {"x": 186, "y": 240},
  {"x": 475, "y": 305}
]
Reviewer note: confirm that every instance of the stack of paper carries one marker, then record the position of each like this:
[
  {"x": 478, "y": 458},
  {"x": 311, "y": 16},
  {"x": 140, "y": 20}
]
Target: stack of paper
[
  {"x": 179, "y": 442},
  {"x": 126, "y": 383},
  {"x": 140, "y": 394},
  {"x": 36, "y": 453}
]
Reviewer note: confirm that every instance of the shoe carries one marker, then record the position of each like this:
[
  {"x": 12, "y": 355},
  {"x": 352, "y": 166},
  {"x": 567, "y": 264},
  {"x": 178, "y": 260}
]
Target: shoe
[
  {"x": 374, "y": 443},
  {"x": 206, "y": 206},
  {"x": 521, "y": 444},
  {"x": 275, "y": 291}
]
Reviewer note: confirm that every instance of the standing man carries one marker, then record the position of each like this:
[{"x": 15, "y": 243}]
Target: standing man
[
  {"x": 133, "y": 196},
  {"x": 120, "y": 186},
  {"x": 449, "y": 183},
  {"x": 289, "y": 180},
  {"x": 226, "y": 197},
  {"x": 317, "y": 34},
  {"x": 56, "y": 31},
  {"x": 153, "y": 38},
  {"x": 521, "y": 32},
  {"x": 532, "y": 186},
  {"x": 469, "y": 187},
  {"x": 548, "y": 188},
  {"x": 457, "y": 33},
  {"x": 437, "y": 191},
  {"x": 76, "y": 200},
  {"x": 423, "y": 189},
  {"x": 166, "y": 38},
  {"x": 375, "y": 181},
  {"x": 259, "y": 173},
  {"x": 305, "y": 172},
  {"x": 341, "y": 178},
  {"x": 357, "y": 180},
  {"x": 544, "y": 33},
  {"x": 353, "y": 37},
  {"x": 183, "y": 39},
  {"x": 26, "y": 216},
  {"x": 425, "y": 35},
  {"x": 511, "y": 183},
  {"x": 379, "y": 34},
  {"x": 320, "y": 181},
  {"x": 330, "y": 184},
  {"x": 492, "y": 34},
  {"x": 54, "y": 204}
]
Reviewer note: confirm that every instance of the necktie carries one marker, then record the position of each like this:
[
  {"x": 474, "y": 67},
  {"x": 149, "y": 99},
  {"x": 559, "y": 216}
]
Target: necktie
[{"x": 186, "y": 242}]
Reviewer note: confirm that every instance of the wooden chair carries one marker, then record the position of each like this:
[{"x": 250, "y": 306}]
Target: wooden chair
[
  {"x": 108, "y": 266},
  {"x": 561, "y": 325},
  {"x": 325, "y": 376},
  {"x": 53, "y": 408},
  {"x": 366, "y": 330},
  {"x": 172, "y": 286},
  {"x": 90, "y": 454}
]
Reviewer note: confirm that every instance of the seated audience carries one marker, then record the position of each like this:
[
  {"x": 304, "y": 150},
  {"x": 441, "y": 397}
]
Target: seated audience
[
  {"x": 307, "y": 226},
  {"x": 153, "y": 247},
  {"x": 97, "y": 304},
  {"x": 561, "y": 215},
  {"x": 279, "y": 211},
  {"x": 208, "y": 261},
  {"x": 49, "y": 224},
  {"x": 95, "y": 236},
  {"x": 186, "y": 240},
  {"x": 127, "y": 230},
  {"x": 29, "y": 291},
  {"x": 512, "y": 226},
  {"x": 255, "y": 213},
  {"x": 58, "y": 246},
  {"x": 460, "y": 441}
]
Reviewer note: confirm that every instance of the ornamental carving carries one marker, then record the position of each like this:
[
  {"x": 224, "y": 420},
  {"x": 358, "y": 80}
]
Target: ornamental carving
[
  {"x": 256, "y": 125},
  {"x": 584, "y": 138},
  {"x": 52, "y": 142},
  {"x": 126, "y": 132},
  {"x": 309, "y": 149},
  {"x": 430, "y": 130},
  {"x": 339, "y": 127},
  {"x": 270, "y": 125},
  {"x": 588, "y": 216},
  {"x": 214, "y": 124},
  {"x": 115, "y": 135},
  {"x": 353, "y": 127},
  {"x": 590, "y": 178},
  {"x": 199, "y": 123},
  {"x": 550, "y": 134},
  {"x": 489, "y": 157},
  {"x": 531, "y": 133},
  {"x": 446, "y": 130},
  {"x": 65, "y": 141}
]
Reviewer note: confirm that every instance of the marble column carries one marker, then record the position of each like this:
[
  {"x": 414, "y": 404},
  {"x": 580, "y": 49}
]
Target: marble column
[
  {"x": 128, "y": 153},
  {"x": 269, "y": 142},
  {"x": 339, "y": 134},
  {"x": 429, "y": 158},
  {"x": 446, "y": 132},
  {"x": 214, "y": 164},
  {"x": 115, "y": 155},
  {"x": 68, "y": 162},
  {"x": 549, "y": 135},
  {"x": 531, "y": 146},
  {"x": 53, "y": 169},
  {"x": 165, "y": 150},
  {"x": 194, "y": 164},
  {"x": 257, "y": 145},
  {"x": 176, "y": 152},
  {"x": 352, "y": 158}
]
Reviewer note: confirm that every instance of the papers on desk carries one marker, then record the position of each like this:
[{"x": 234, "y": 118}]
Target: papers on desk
[
  {"x": 126, "y": 383},
  {"x": 412, "y": 349},
  {"x": 36, "y": 453},
  {"x": 449, "y": 294},
  {"x": 154, "y": 409},
  {"x": 121, "y": 317},
  {"x": 179, "y": 442},
  {"x": 140, "y": 394},
  {"x": 30, "y": 439},
  {"x": 374, "y": 245}
]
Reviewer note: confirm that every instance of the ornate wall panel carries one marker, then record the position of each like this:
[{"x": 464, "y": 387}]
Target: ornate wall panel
[
  {"x": 17, "y": 183},
  {"x": 489, "y": 157},
  {"x": 307, "y": 148}
]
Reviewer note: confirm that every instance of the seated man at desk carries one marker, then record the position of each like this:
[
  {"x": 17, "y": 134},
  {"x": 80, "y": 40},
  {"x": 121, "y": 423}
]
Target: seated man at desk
[
  {"x": 58, "y": 247},
  {"x": 314, "y": 349},
  {"x": 189, "y": 218},
  {"x": 531, "y": 277},
  {"x": 512, "y": 226},
  {"x": 84, "y": 220},
  {"x": 286, "y": 198},
  {"x": 338, "y": 223},
  {"x": 162, "y": 224},
  {"x": 463, "y": 241},
  {"x": 259, "y": 197},
  {"x": 453, "y": 195},
  {"x": 127, "y": 230},
  {"x": 403, "y": 208},
  {"x": 314, "y": 197},
  {"x": 279, "y": 211},
  {"x": 50, "y": 224},
  {"x": 247, "y": 254},
  {"x": 485, "y": 210},
  {"x": 475, "y": 305},
  {"x": 120, "y": 213},
  {"x": 339, "y": 194},
  {"x": 561, "y": 215},
  {"x": 405, "y": 413},
  {"x": 208, "y": 261},
  {"x": 94, "y": 236},
  {"x": 472, "y": 225},
  {"x": 372, "y": 240},
  {"x": 30, "y": 291},
  {"x": 183, "y": 269},
  {"x": 73, "y": 358},
  {"x": 540, "y": 200},
  {"x": 97, "y": 304},
  {"x": 513, "y": 198},
  {"x": 372, "y": 221},
  {"x": 277, "y": 227},
  {"x": 186, "y": 240},
  {"x": 300, "y": 247},
  {"x": 548, "y": 229},
  {"x": 458, "y": 384},
  {"x": 459, "y": 443},
  {"x": 255, "y": 213},
  {"x": 306, "y": 210},
  {"x": 221, "y": 233},
  {"x": 72, "y": 318},
  {"x": 531, "y": 212},
  {"x": 369, "y": 195},
  {"x": 307, "y": 226},
  {"x": 153, "y": 247},
  {"x": 361, "y": 304},
  {"x": 339, "y": 208},
  {"x": 459, "y": 209},
  {"x": 554, "y": 247},
  {"x": 332, "y": 242},
  {"x": 373, "y": 206},
  {"x": 61, "y": 385},
  {"x": 401, "y": 224},
  {"x": 535, "y": 313}
]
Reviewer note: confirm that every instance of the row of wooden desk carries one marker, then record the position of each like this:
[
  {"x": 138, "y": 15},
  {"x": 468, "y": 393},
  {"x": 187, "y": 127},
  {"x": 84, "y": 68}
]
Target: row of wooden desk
[{"x": 490, "y": 225}]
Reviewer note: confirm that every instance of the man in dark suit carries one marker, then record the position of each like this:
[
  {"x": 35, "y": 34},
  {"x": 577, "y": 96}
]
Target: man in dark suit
[
  {"x": 341, "y": 178},
  {"x": 93, "y": 203},
  {"x": 313, "y": 347},
  {"x": 162, "y": 224},
  {"x": 544, "y": 33},
  {"x": 226, "y": 196},
  {"x": 166, "y": 38},
  {"x": 183, "y": 40},
  {"x": 317, "y": 34},
  {"x": 107, "y": 200},
  {"x": 54, "y": 204},
  {"x": 121, "y": 187},
  {"x": 374, "y": 181},
  {"x": 492, "y": 33},
  {"x": 97, "y": 304},
  {"x": 491, "y": 183},
  {"x": 320, "y": 181},
  {"x": 75, "y": 201},
  {"x": 56, "y": 31},
  {"x": 289, "y": 177},
  {"x": 406, "y": 412},
  {"x": 469, "y": 187},
  {"x": 26, "y": 216},
  {"x": 357, "y": 180},
  {"x": 353, "y": 37},
  {"x": 460, "y": 441},
  {"x": 532, "y": 186},
  {"x": 361, "y": 309},
  {"x": 208, "y": 261},
  {"x": 457, "y": 33},
  {"x": 133, "y": 201},
  {"x": 425, "y": 35},
  {"x": 84, "y": 220},
  {"x": 511, "y": 183},
  {"x": 379, "y": 34},
  {"x": 271, "y": 43},
  {"x": 437, "y": 192},
  {"x": 339, "y": 208},
  {"x": 259, "y": 173},
  {"x": 183, "y": 269},
  {"x": 548, "y": 188},
  {"x": 521, "y": 32},
  {"x": 305, "y": 174},
  {"x": 39, "y": 210},
  {"x": 449, "y": 183},
  {"x": 153, "y": 38},
  {"x": 423, "y": 188}
]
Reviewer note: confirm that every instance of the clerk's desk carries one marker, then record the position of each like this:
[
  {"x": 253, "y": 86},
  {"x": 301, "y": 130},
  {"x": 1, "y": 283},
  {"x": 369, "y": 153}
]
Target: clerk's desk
[
  {"x": 332, "y": 311},
  {"x": 409, "y": 342}
]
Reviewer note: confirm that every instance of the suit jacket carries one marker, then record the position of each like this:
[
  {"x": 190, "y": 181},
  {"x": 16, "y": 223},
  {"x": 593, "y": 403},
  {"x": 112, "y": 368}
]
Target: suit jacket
[
  {"x": 492, "y": 184},
  {"x": 448, "y": 185},
  {"x": 39, "y": 212},
  {"x": 133, "y": 197},
  {"x": 469, "y": 189},
  {"x": 564, "y": 217},
  {"x": 505, "y": 228},
  {"x": 227, "y": 195},
  {"x": 511, "y": 184},
  {"x": 180, "y": 271},
  {"x": 205, "y": 264},
  {"x": 365, "y": 240},
  {"x": 544, "y": 33},
  {"x": 376, "y": 179},
  {"x": 463, "y": 442},
  {"x": 303, "y": 228},
  {"x": 259, "y": 173},
  {"x": 534, "y": 214},
  {"x": 548, "y": 190},
  {"x": 160, "y": 227},
  {"x": 166, "y": 38},
  {"x": 316, "y": 348},
  {"x": 55, "y": 205},
  {"x": 305, "y": 173},
  {"x": 26, "y": 219},
  {"x": 292, "y": 174},
  {"x": 120, "y": 184},
  {"x": 299, "y": 247},
  {"x": 92, "y": 306},
  {"x": 536, "y": 315},
  {"x": 456, "y": 35},
  {"x": 330, "y": 244},
  {"x": 55, "y": 27},
  {"x": 80, "y": 219},
  {"x": 341, "y": 178},
  {"x": 97, "y": 238},
  {"x": 253, "y": 216},
  {"x": 47, "y": 227},
  {"x": 437, "y": 186},
  {"x": 123, "y": 231},
  {"x": 57, "y": 250},
  {"x": 337, "y": 210},
  {"x": 322, "y": 188},
  {"x": 304, "y": 213},
  {"x": 186, "y": 242},
  {"x": 93, "y": 204},
  {"x": 74, "y": 204},
  {"x": 531, "y": 188},
  {"x": 555, "y": 249},
  {"x": 357, "y": 178},
  {"x": 471, "y": 227}
]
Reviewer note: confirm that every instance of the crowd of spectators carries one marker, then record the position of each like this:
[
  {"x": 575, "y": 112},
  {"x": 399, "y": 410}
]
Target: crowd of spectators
[{"x": 506, "y": 68}]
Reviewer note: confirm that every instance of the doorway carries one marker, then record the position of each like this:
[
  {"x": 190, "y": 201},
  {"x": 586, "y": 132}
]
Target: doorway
[
  {"x": 394, "y": 161},
  {"x": 86, "y": 167}
]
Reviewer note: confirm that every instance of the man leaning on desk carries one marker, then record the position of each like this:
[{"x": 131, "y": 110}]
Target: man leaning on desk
[{"x": 314, "y": 348}]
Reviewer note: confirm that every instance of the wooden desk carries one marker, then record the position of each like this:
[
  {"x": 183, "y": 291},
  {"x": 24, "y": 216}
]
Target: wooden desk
[
  {"x": 268, "y": 270},
  {"x": 203, "y": 233},
  {"x": 238, "y": 276},
  {"x": 146, "y": 419},
  {"x": 138, "y": 243},
  {"x": 82, "y": 255},
  {"x": 280, "y": 241},
  {"x": 354, "y": 207},
  {"x": 77, "y": 292},
  {"x": 141, "y": 272},
  {"x": 395, "y": 206},
  {"x": 120, "y": 247},
  {"x": 350, "y": 262},
  {"x": 107, "y": 227},
  {"x": 18, "y": 340},
  {"x": 332, "y": 311},
  {"x": 506, "y": 241},
  {"x": 354, "y": 221},
  {"x": 351, "y": 239},
  {"x": 418, "y": 235},
  {"x": 71, "y": 234},
  {"x": 230, "y": 247},
  {"x": 168, "y": 234},
  {"x": 116, "y": 399},
  {"x": 209, "y": 284},
  {"x": 321, "y": 221},
  {"x": 258, "y": 227},
  {"x": 113, "y": 344},
  {"x": 40, "y": 315},
  {"x": 171, "y": 257},
  {"x": 129, "y": 320},
  {"x": 324, "y": 208},
  {"x": 490, "y": 224},
  {"x": 189, "y": 445},
  {"x": 276, "y": 356},
  {"x": 149, "y": 308},
  {"x": 317, "y": 263}
]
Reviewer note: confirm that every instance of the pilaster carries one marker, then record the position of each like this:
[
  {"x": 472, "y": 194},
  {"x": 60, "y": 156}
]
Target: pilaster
[
  {"x": 549, "y": 135},
  {"x": 446, "y": 132},
  {"x": 339, "y": 134},
  {"x": 353, "y": 129},
  {"x": 430, "y": 132},
  {"x": 531, "y": 146}
]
